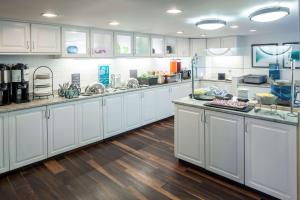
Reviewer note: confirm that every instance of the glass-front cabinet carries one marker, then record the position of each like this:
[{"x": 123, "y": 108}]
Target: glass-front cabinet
[
  {"x": 101, "y": 43},
  {"x": 141, "y": 44},
  {"x": 170, "y": 46},
  {"x": 123, "y": 44},
  {"x": 157, "y": 46},
  {"x": 75, "y": 42}
]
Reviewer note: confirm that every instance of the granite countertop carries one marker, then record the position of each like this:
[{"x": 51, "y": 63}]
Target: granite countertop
[
  {"x": 264, "y": 113},
  {"x": 58, "y": 100}
]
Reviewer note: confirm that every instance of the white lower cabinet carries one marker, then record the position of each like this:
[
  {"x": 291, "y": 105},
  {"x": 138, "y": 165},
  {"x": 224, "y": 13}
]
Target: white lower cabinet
[
  {"x": 27, "y": 137},
  {"x": 62, "y": 128},
  {"x": 149, "y": 106},
  {"x": 163, "y": 102},
  {"x": 90, "y": 126},
  {"x": 132, "y": 110},
  {"x": 224, "y": 145},
  {"x": 179, "y": 91},
  {"x": 271, "y": 158},
  {"x": 4, "y": 161},
  {"x": 113, "y": 115},
  {"x": 189, "y": 135}
]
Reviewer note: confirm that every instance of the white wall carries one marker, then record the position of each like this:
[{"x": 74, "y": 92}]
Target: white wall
[
  {"x": 240, "y": 65},
  {"x": 88, "y": 68}
]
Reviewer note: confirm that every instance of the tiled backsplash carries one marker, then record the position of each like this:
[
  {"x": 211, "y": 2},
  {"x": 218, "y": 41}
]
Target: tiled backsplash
[{"x": 88, "y": 68}]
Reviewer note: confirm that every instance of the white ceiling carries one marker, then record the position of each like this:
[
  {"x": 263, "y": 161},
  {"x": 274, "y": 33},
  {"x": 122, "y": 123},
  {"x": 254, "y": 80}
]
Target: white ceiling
[{"x": 149, "y": 15}]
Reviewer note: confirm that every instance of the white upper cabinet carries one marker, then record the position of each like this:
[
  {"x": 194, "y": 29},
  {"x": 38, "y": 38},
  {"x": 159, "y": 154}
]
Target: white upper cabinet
[
  {"x": 198, "y": 46},
  {"x": 45, "y": 39},
  {"x": 213, "y": 43},
  {"x": 229, "y": 42},
  {"x": 224, "y": 145},
  {"x": 183, "y": 47},
  {"x": 141, "y": 44},
  {"x": 75, "y": 42},
  {"x": 271, "y": 158},
  {"x": 123, "y": 42},
  {"x": 170, "y": 46},
  {"x": 4, "y": 157},
  {"x": 14, "y": 37},
  {"x": 27, "y": 137},
  {"x": 102, "y": 43},
  {"x": 157, "y": 46}
]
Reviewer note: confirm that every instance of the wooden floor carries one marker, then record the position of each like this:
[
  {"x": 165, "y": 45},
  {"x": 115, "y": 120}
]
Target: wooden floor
[{"x": 135, "y": 165}]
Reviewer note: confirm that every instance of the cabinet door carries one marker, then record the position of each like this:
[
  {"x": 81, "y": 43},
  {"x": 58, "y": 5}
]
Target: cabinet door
[
  {"x": 213, "y": 43},
  {"x": 75, "y": 42},
  {"x": 123, "y": 44},
  {"x": 170, "y": 46},
  {"x": 228, "y": 42},
  {"x": 189, "y": 135},
  {"x": 62, "y": 129},
  {"x": 101, "y": 43},
  {"x": 27, "y": 137},
  {"x": 132, "y": 110},
  {"x": 271, "y": 158},
  {"x": 4, "y": 157},
  {"x": 149, "y": 106},
  {"x": 183, "y": 47},
  {"x": 157, "y": 46},
  {"x": 90, "y": 128},
  {"x": 179, "y": 91},
  {"x": 14, "y": 37},
  {"x": 163, "y": 102},
  {"x": 113, "y": 115},
  {"x": 224, "y": 145},
  {"x": 141, "y": 45},
  {"x": 198, "y": 46},
  {"x": 45, "y": 39}
]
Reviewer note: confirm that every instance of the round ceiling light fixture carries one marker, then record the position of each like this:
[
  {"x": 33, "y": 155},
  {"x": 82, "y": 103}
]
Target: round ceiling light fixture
[
  {"x": 49, "y": 14},
  {"x": 211, "y": 24},
  {"x": 174, "y": 11},
  {"x": 269, "y": 14}
]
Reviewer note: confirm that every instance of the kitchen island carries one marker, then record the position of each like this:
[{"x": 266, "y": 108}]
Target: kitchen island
[{"x": 258, "y": 149}]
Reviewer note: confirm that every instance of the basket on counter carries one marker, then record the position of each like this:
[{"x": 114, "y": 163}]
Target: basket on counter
[{"x": 147, "y": 80}]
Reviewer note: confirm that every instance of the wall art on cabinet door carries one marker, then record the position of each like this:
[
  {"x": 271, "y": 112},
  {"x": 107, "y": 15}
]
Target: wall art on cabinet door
[{"x": 264, "y": 54}]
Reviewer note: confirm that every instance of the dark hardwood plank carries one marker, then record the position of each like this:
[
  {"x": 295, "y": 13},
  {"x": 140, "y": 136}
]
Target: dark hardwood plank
[{"x": 136, "y": 165}]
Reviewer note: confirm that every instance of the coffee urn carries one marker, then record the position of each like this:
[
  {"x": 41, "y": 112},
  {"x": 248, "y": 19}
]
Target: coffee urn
[
  {"x": 5, "y": 85},
  {"x": 20, "y": 83}
]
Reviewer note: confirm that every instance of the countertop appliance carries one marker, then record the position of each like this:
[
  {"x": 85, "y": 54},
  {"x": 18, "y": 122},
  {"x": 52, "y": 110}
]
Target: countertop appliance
[
  {"x": 20, "y": 83},
  {"x": 255, "y": 79},
  {"x": 5, "y": 85},
  {"x": 221, "y": 76},
  {"x": 186, "y": 74},
  {"x": 115, "y": 81}
]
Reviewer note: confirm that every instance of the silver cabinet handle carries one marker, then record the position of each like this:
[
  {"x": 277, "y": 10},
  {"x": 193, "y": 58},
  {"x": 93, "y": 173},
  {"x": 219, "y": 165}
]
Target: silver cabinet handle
[
  {"x": 28, "y": 45},
  {"x": 32, "y": 44},
  {"x": 49, "y": 113}
]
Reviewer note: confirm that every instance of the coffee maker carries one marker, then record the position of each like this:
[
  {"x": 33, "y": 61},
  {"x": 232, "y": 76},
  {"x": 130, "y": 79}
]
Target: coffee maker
[
  {"x": 20, "y": 83},
  {"x": 5, "y": 85}
]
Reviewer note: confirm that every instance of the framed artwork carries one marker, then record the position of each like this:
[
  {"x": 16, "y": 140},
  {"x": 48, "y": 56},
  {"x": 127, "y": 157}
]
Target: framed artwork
[
  {"x": 292, "y": 52},
  {"x": 264, "y": 54}
]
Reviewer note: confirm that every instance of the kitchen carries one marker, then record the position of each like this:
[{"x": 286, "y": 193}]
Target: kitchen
[{"x": 176, "y": 100}]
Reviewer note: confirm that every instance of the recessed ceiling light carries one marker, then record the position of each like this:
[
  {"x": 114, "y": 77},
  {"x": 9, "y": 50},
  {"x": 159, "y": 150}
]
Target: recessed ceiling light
[
  {"x": 211, "y": 24},
  {"x": 114, "y": 23},
  {"x": 49, "y": 14},
  {"x": 269, "y": 14},
  {"x": 203, "y": 35},
  {"x": 234, "y": 26},
  {"x": 252, "y": 30},
  {"x": 174, "y": 11},
  {"x": 179, "y": 32}
]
